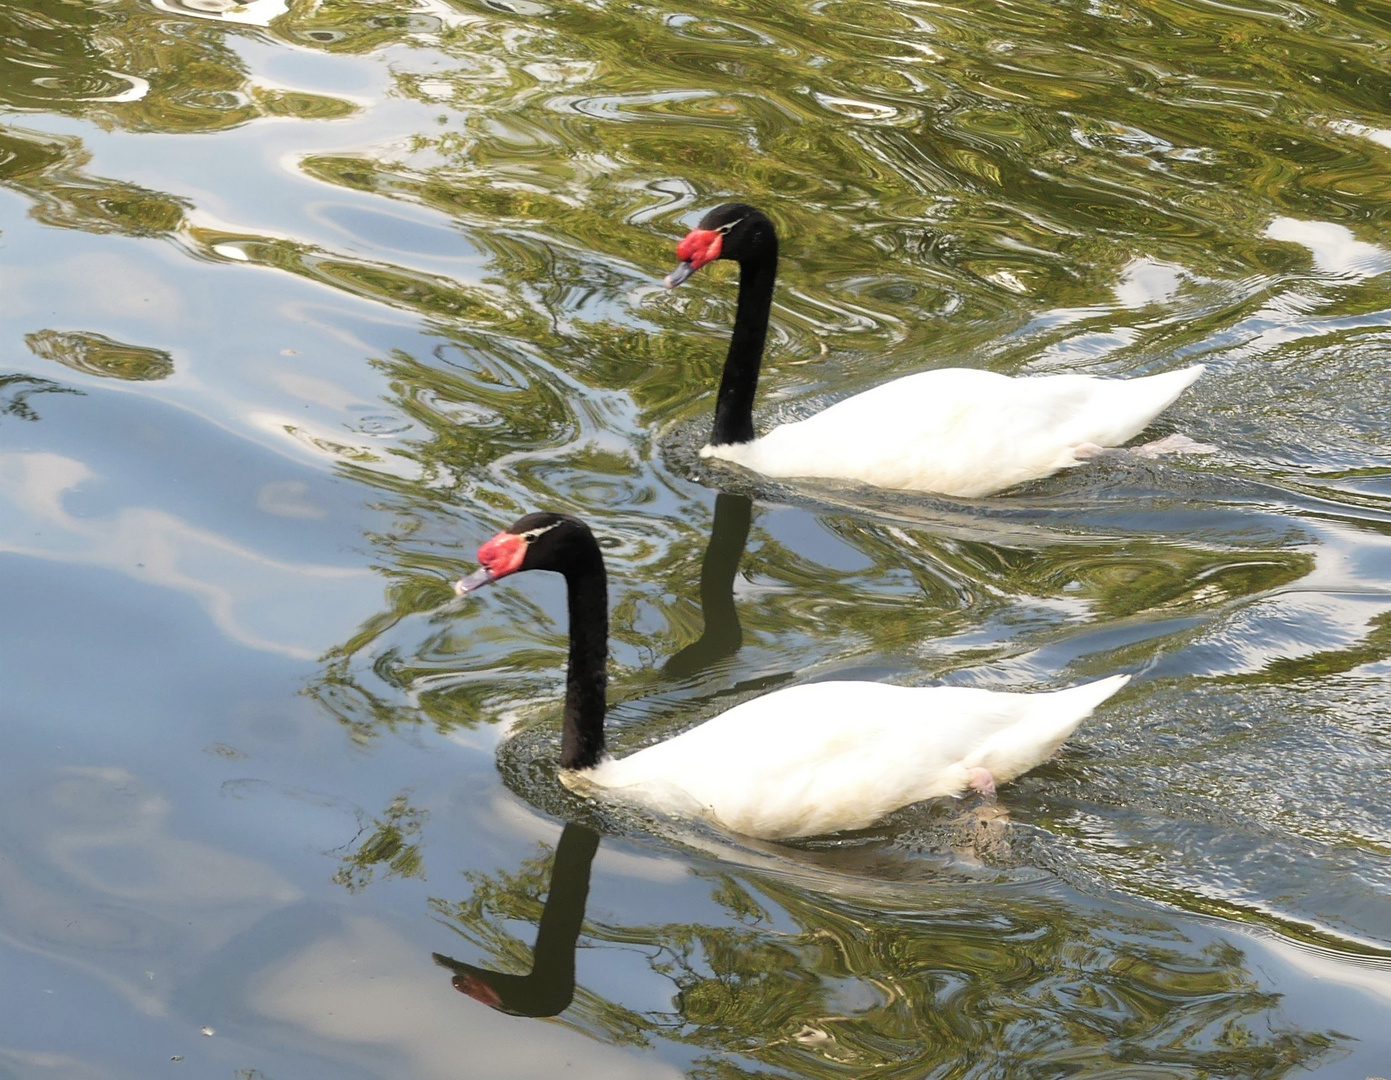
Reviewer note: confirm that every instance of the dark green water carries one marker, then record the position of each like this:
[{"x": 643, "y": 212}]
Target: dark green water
[{"x": 299, "y": 305}]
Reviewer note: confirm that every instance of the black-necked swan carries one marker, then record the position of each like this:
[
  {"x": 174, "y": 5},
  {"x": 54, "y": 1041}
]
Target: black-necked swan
[
  {"x": 811, "y": 759},
  {"x": 952, "y": 431}
]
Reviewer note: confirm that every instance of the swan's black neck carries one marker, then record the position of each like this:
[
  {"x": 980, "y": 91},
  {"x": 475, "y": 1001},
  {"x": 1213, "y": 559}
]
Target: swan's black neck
[
  {"x": 734, "y": 406},
  {"x": 582, "y": 741}
]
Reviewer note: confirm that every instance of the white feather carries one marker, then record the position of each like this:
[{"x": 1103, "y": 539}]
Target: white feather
[
  {"x": 959, "y": 431},
  {"x": 824, "y": 757}
]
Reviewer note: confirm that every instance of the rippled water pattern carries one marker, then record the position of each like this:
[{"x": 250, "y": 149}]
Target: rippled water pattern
[{"x": 300, "y": 301}]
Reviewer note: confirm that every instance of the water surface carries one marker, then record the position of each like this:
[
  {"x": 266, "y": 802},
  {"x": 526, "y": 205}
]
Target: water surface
[{"x": 300, "y": 302}]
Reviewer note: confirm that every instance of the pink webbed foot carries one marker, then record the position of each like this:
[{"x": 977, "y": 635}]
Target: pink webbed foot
[
  {"x": 1172, "y": 444},
  {"x": 980, "y": 780}
]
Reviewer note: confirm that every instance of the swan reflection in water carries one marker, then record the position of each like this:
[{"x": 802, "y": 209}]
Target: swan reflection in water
[
  {"x": 722, "y": 634},
  {"x": 921, "y": 972},
  {"x": 549, "y": 987}
]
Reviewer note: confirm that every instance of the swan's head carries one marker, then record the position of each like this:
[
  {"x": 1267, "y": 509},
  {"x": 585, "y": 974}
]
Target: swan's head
[
  {"x": 535, "y": 542},
  {"x": 478, "y": 983},
  {"x": 733, "y": 231}
]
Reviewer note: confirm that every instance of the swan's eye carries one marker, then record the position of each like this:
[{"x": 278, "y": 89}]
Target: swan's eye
[
  {"x": 723, "y": 230},
  {"x": 532, "y": 534}
]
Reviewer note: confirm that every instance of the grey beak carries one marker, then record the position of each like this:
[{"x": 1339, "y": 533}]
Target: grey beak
[
  {"x": 680, "y": 274},
  {"x": 476, "y": 580}
]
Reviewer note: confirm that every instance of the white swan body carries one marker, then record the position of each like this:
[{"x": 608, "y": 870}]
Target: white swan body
[
  {"x": 961, "y": 432},
  {"x": 824, "y": 757}
]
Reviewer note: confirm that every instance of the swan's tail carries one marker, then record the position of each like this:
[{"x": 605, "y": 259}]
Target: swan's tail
[
  {"x": 1078, "y": 701},
  {"x": 1043, "y": 729},
  {"x": 1174, "y": 383},
  {"x": 1165, "y": 387},
  {"x": 1122, "y": 408}
]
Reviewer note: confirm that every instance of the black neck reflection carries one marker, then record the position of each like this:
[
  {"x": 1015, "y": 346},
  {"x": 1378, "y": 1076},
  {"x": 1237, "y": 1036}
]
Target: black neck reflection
[
  {"x": 722, "y": 635},
  {"x": 550, "y": 986}
]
